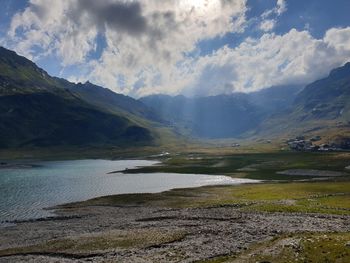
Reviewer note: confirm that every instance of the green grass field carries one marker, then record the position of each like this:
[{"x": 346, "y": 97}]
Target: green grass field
[
  {"x": 261, "y": 166},
  {"x": 307, "y": 197}
]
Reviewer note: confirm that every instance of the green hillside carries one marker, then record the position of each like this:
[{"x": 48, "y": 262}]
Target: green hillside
[
  {"x": 328, "y": 98},
  {"x": 321, "y": 108},
  {"x": 38, "y": 110}
]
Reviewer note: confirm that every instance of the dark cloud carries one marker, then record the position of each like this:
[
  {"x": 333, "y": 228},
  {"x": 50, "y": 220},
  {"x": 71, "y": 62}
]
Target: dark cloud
[
  {"x": 39, "y": 10},
  {"x": 162, "y": 24},
  {"x": 116, "y": 15}
]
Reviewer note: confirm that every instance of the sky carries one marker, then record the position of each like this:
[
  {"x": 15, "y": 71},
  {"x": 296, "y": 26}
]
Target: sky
[{"x": 190, "y": 47}]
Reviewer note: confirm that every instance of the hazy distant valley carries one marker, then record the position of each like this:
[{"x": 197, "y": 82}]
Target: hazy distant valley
[{"x": 38, "y": 110}]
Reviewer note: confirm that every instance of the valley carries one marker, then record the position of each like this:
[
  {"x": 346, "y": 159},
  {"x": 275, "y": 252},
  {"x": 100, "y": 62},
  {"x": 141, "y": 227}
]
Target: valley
[
  {"x": 286, "y": 214},
  {"x": 37, "y": 109},
  {"x": 187, "y": 131},
  {"x": 292, "y": 141}
]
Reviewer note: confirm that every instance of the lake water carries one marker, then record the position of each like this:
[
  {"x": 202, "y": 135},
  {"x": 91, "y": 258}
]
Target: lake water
[{"x": 25, "y": 192}]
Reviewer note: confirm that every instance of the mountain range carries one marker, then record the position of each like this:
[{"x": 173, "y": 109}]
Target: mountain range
[
  {"x": 222, "y": 116},
  {"x": 320, "y": 108},
  {"x": 38, "y": 110}
]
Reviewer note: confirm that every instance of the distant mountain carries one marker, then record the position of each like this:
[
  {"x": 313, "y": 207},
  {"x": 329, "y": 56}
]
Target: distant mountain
[
  {"x": 275, "y": 99},
  {"x": 210, "y": 117},
  {"x": 106, "y": 98},
  {"x": 321, "y": 108},
  {"x": 39, "y": 110},
  {"x": 110, "y": 101},
  {"x": 222, "y": 116},
  {"x": 328, "y": 98}
]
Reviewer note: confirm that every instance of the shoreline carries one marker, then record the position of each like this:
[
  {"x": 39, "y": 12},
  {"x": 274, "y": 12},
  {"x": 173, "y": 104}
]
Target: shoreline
[
  {"x": 150, "y": 227},
  {"x": 239, "y": 223},
  {"x": 48, "y": 211},
  {"x": 55, "y": 210}
]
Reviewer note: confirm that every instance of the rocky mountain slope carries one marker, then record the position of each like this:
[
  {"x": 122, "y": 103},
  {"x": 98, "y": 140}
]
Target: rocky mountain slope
[{"x": 39, "y": 110}]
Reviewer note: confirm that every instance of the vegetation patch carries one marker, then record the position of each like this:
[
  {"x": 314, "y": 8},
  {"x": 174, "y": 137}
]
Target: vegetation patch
[
  {"x": 88, "y": 244},
  {"x": 300, "y": 248},
  {"x": 262, "y": 166},
  {"x": 296, "y": 197},
  {"x": 309, "y": 247}
]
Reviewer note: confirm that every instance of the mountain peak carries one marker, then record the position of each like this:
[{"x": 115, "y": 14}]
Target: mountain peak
[
  {"x": 340, "y": 72},
  {"x": 20, "y": 70}
]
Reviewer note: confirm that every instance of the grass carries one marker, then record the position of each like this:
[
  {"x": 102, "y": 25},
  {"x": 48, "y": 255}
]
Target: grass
[
  {"x": 330, "y": 197},
  {"x": 100, "y": 242},
  {"x": 323, "y": 197},
  {"x": 297, "y": 197},
  {"x": 254, "y": 165},
  {"x": 310, "y": 197},
  {"x": 299, "y": 248},
  {"x": 181, "y": 150},
  {"x": 264, "y": 197}
]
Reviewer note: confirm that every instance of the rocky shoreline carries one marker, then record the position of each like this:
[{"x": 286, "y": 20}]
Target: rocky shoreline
[{"x": 187, "y": 234}]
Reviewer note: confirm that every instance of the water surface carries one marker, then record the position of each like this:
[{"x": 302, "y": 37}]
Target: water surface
[{"x": 25, "y": 192}]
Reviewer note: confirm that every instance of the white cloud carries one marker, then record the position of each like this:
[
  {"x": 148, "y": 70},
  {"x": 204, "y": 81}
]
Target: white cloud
[
  {"x": 293, "y": 58},
  {"x": 267, "y": 25},
  {"x": 152, "y": 59},
  {"x": 338, "y": 38},
  {"x": 145, "y": 40},
  {"x": 44, "y": 25},
  {"x": 147, "y": 53},
  {"x": 281, "y": 7}
]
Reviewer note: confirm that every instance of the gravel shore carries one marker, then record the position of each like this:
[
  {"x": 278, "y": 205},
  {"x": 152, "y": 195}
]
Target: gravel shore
[{"x": 207, "y": 232}]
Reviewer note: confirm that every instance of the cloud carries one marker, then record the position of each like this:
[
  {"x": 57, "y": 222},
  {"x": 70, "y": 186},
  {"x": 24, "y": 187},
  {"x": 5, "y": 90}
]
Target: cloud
[
  {"x": 267, "y": 25},
  {"x": 293, "y": 58},
  {"x": 152, "y": 46},
  {"x": 278, "y": 10},
  {"x": 339, "y": 39},
  {"x": 123, "y": 16},
  {"x": 44, "y": 26},
  {"x": 145, "y": 40},
  {"x": 281, "y": 7}
]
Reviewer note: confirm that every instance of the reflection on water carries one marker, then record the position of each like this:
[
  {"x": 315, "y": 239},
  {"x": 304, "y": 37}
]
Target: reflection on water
[{"x": 25, "y": 192}]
